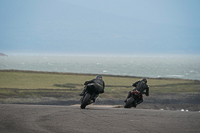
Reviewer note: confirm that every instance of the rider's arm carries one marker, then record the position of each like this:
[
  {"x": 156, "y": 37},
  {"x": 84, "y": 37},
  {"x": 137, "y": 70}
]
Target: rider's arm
[
  {"x": 147, "y": 91},
  {"x": 88, "y": 82},
  {"x": 135, "y": 84},
  {"x": 103, "y": 87}
]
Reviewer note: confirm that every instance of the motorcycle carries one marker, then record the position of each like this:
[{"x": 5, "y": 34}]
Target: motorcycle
[
  {"x": 87, "y": 98},
  {"x": 132, "y": 101}
]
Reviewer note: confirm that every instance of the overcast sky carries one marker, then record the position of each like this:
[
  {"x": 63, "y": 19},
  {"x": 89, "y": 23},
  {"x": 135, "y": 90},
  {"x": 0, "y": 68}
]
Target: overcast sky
[{"x": 100, "y": 26}]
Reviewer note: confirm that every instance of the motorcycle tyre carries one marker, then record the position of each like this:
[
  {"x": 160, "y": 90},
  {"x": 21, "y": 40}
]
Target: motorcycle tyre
[
  {"x": 85, "y": 101},
  {"x": 129, "y": 103}
]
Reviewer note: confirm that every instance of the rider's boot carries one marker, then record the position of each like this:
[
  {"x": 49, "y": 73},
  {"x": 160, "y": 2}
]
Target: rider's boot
[
  {"x": 129, "y": 95},
  {"x": 125, "y": 100},
  {"x": 83, "y": 92},
  {"x": 140, "y": 101}
]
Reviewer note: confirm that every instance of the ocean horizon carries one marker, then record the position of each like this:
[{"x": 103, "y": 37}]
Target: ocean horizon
[{"x": 183, "y": 67}]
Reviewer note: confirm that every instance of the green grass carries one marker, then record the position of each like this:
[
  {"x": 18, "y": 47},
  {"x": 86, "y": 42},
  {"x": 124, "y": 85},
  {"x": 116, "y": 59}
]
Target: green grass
[{"x": 42, "y": 84}]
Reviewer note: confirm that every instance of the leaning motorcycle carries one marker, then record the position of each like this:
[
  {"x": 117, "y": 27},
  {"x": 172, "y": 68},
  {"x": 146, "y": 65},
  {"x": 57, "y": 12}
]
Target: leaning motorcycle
[
  {"x": 131, "y": 102},
  {"x": 86, "y": 99}
]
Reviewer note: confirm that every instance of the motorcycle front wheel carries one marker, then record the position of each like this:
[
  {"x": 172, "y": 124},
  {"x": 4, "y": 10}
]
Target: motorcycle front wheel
[{"x": 85, "y": 101}]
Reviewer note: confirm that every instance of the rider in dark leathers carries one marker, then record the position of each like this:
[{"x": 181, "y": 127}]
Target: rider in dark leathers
[
  {"x": 97, "y": 85},
  {"x": 140, "y": 87}
]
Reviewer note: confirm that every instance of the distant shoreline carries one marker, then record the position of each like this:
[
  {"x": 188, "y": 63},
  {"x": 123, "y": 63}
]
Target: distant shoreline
[
  {"x": 2, "y": 54},
  {"x": 90, "y": 74}
]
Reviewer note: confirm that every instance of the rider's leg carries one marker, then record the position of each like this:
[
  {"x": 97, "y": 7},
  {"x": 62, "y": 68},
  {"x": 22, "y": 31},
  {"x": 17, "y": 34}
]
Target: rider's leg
[
  {"x": 97, "y": 89},
  {"x": 95, "y": 96}
]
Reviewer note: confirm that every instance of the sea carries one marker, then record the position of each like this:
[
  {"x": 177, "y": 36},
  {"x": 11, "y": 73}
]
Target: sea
[{"x": 183, "y": 67}]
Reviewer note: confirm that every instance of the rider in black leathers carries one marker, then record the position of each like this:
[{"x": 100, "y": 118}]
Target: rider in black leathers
[
  {"x": 140, "y": 87},
  {"x": 97, "y": 85}
]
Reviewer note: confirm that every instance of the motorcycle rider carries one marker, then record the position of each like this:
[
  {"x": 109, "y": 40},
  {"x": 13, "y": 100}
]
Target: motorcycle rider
[
  {"x": 97, "y": 84},
  {"x": 140, "y": 87}
]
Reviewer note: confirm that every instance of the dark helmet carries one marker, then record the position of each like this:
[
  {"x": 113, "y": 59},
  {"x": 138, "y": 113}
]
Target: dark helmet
[
  {"x": 144, "y": 79},
  {"x": 98, "y": 77}
]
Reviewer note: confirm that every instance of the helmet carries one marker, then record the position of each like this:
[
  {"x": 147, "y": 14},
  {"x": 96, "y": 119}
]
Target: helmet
[
  {"x": 144, "y": 79},
  {"x": 98, "y": 77}
]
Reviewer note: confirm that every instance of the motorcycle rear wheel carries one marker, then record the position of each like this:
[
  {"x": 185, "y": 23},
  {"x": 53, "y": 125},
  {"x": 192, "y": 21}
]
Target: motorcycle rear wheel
[
  {"x": 129, "y": 103},
  {"x": 85, "y": 101}
]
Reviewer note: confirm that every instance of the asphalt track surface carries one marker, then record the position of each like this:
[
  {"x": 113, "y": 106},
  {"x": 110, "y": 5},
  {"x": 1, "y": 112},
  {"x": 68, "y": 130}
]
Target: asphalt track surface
[{"x": 16, "y": 118}]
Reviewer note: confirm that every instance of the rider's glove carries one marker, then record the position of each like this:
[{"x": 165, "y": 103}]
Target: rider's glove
[{"x": 86, "y": 82}]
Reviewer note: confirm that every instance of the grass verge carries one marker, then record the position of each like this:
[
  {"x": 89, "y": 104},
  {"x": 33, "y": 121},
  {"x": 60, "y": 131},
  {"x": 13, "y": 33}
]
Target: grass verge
[{"x": 24, "y": 84}]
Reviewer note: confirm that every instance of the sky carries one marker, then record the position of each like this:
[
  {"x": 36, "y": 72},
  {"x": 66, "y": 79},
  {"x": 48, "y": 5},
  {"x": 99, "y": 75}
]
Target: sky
[{"x": 100, "y": 26}]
